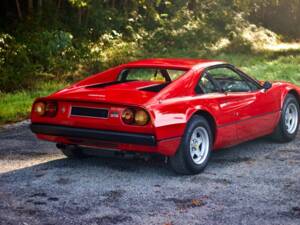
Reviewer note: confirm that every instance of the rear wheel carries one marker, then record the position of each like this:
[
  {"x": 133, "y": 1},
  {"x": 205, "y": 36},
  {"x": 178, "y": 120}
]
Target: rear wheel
[
  {"x": 194, "y": 151},
  {"x": 288, "y": 125},
  {"x": 71, "y": 151}
]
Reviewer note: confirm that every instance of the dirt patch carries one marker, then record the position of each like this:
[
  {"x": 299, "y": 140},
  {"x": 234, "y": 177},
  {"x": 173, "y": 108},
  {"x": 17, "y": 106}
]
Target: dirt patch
[
  {"x": 39, "y": 203},
  {"x": 53, "y": 199},
  {"x": 285, "y": 155},
  {"x": 63, "y": 181},
  {"x": 21, "y": 155},
  {"x": 233, "y": 160},
  {"x": 296, "y": 211},
  {"x": 39, "y": 194},
  {"x": 200, "y": 179},
  {"x": 113, "y": 196},
  {"x": 103, "y": 190},
  {"x": 111, "y": 219},
  {"x": 186, "y": 203},
  {"x": 74, "y": 209}
]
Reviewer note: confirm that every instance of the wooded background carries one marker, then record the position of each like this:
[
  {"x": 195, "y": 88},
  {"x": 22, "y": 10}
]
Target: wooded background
[{"x": 69, "y": 39}]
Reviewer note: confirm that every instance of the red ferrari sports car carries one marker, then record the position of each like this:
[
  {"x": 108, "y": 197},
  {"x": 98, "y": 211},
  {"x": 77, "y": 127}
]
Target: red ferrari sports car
[{"x": 180, "y": 108}]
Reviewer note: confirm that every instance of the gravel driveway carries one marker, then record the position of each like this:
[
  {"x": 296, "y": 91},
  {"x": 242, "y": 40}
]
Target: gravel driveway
[{"x": 253, "y": 183}]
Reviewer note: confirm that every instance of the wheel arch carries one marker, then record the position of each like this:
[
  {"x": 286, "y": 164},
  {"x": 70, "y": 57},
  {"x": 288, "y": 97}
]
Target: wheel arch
[
  {"x": 295, "y": 94},
  {"x": 289, "y": 89},
  {"x": 210, "y": 119}
]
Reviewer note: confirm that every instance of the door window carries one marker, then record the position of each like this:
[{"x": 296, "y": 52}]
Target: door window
[
  {"x": 206, "y": 85},
  {"x": 229, "y": 81}
]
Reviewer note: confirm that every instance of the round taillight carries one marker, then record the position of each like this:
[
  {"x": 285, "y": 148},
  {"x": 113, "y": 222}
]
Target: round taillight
[
  {"x": 40, "y": 108},
  {"x": 128, "y": 116},
  {"x": 141, "y": 117},
  {"x": 51, "y": 109}
]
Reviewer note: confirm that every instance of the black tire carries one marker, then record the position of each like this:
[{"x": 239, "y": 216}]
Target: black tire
[
  {"x": 281, "y": 133},
  {"x": 182, "y": 161},
  {"x": 71, "y": 151}
]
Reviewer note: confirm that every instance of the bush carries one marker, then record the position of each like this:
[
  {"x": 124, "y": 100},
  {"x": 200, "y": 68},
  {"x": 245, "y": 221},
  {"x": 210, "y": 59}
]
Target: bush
[
  {"x": 52, "y": 51},
  {"x": 16, "y": 69},
  {"x": 112, "y": 49}
]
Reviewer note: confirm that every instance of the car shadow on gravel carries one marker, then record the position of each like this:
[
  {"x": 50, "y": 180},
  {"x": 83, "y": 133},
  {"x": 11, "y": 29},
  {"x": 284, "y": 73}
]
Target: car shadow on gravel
[
  {"x": 119, "y": 188},
  {"x": 99, "y": 160},
  {"x": 245, "y": 153}
]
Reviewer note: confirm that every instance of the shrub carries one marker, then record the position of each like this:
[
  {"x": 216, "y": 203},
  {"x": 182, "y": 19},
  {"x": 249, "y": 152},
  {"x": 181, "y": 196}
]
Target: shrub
[
  {"x": 16, "y": 70},
  {"x": 53, "y": 51}
]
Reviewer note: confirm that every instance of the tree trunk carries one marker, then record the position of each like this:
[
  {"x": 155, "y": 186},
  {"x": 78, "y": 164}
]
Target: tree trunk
[
  {"x": 191, "y": 5},
  {"x": 86, "y": 17},
  {"x": 58, "y": 4},
  {"x": 113, "y": 4},
  {"x": 79, "y": 16},
  {"x": 19, "y": 10},
  {"x": 40, "y": 6},
  {"x": 125, "y": 6},
  {"x": 30, "y": 7}
]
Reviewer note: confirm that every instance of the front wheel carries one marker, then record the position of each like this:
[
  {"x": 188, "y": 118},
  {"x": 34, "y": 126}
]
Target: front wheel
[
  {"x": 194, "y": 151},
  {"x": 288, "y": 125}
]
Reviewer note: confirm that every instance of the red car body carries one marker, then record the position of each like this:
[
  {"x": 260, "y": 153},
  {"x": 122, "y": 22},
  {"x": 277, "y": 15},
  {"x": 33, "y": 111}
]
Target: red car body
[{"x": 234, "y": 117}]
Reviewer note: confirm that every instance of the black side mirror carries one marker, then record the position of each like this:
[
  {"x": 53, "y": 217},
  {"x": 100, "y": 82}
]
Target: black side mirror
[{"x": 267, "y": 85}]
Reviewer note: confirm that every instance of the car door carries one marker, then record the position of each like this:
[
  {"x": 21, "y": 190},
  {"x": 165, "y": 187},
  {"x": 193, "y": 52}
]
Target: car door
[
  {"x": 253, "y": 106},
  {"x": 223, "y": 108}
]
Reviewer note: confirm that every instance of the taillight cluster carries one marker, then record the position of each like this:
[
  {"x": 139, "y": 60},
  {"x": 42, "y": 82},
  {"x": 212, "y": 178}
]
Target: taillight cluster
[
  {"x": 48, "y": 109},
  {"x": 135, "y": 117}
]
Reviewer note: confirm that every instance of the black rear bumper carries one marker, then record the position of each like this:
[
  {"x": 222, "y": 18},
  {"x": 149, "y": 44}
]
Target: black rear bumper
[{"x": 103, "y": 135}]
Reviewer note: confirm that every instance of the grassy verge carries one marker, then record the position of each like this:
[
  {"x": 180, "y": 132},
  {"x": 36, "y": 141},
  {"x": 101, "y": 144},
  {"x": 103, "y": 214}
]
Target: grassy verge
[
  {"x": 16, "y": 106},
  {"x": 280, "y": 66},
  {"x": 267, "y": 67}
]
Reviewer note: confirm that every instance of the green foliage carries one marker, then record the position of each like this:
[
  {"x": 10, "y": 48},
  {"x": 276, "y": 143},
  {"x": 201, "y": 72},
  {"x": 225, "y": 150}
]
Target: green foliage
[
  {"x": 15, "y": 65},
  {"x": 67, "y": 40},
  {"x": 52, "y": 51},
  {"x": 16, "y": 106},
  {"x": 111, "y": 50},
  {"x": 281, "y": 16},
  {"x": 41, "y": 56},
  {"x": 79, "y": 3}
]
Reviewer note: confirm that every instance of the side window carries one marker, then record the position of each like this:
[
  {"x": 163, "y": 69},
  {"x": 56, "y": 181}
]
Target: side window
[
  {"x": 229, "y": 80},
  {"x": 206, "y": 85}
]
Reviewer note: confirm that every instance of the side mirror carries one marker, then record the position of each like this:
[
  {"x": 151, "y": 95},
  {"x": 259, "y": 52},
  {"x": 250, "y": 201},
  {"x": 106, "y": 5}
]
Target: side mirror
[{"x": 267, "y": 85}]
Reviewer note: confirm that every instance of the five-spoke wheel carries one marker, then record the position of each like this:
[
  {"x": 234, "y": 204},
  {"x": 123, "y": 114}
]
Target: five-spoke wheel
[
  {"x": 199, "y": 145},
  {"x": 288, "y": 125},
  {"x": 291, "y": 118},
  {"x": 194, "y": 151}
]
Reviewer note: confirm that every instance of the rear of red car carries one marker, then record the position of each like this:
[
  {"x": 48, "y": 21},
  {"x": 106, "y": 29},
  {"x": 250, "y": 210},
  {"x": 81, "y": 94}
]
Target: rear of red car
[
  {"x": 111, "y": 116},
  {"x": 103, "y": 125}
]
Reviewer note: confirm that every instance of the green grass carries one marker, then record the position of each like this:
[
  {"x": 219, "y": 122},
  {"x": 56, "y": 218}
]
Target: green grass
[
  {"x": 268, "y": 67},
  {"x": 265, "y": 66},
  {"x": 16, "y": 106}
]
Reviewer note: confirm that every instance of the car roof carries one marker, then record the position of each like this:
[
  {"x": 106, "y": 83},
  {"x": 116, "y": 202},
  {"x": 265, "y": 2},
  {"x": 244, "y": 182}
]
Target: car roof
[{"x": 173, "y": 63}]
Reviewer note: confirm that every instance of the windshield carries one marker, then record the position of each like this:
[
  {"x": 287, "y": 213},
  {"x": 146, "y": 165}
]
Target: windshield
[{"x": 150, "y": 74}]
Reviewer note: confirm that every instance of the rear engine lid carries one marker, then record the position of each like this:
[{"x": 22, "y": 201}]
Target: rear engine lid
[{"x": 128, "y": 93}]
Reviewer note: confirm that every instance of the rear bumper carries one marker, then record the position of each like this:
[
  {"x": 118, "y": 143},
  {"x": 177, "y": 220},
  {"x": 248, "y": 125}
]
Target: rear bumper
[{"x": 111, "y": 136}]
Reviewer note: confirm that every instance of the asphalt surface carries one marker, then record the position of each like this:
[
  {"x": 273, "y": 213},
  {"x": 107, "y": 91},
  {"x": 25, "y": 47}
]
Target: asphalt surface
[{"x": 254, "y": 183}]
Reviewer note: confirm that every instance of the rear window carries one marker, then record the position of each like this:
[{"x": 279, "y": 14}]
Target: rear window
[{"x": 150, "y": 74}]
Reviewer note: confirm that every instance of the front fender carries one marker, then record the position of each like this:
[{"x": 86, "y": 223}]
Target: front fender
[{"x": 285, "y": 89}]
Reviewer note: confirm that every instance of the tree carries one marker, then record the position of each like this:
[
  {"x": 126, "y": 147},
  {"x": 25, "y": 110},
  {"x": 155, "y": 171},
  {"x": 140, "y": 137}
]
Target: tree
[
  {"x": 80, "y": 5},
  {"x": 30, "y": 7},
  {"x": 19, "y": 10}
]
